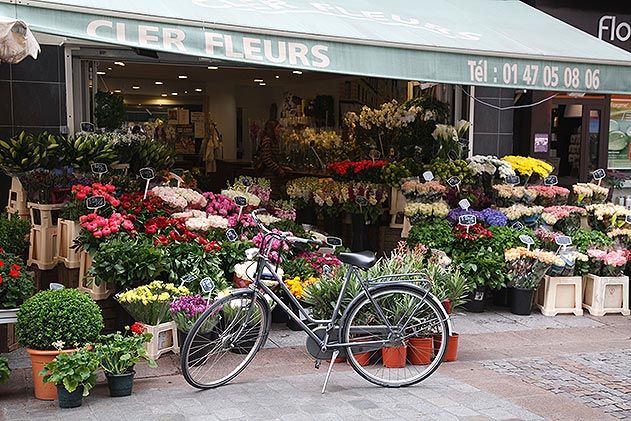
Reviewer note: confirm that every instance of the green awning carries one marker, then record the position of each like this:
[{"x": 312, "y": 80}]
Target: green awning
[{"x": 472, "y": 42}]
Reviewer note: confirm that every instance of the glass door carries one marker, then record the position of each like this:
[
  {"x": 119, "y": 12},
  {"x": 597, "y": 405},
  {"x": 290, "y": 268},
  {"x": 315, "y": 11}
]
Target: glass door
[{"x": 593, "y": 155}]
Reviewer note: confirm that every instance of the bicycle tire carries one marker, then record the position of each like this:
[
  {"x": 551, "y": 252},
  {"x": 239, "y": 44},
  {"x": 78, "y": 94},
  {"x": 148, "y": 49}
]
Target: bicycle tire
[
  {"x": 212, "y": 317},
  {"x": 352, "y": 355}
]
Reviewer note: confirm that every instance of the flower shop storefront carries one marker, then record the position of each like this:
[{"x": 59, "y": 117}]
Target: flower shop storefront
[{"x": 107, "y": 215}]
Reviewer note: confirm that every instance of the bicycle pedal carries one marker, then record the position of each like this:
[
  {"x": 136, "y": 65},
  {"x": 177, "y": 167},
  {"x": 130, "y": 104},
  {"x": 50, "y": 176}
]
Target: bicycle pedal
[{"x": 317, "y": 364}]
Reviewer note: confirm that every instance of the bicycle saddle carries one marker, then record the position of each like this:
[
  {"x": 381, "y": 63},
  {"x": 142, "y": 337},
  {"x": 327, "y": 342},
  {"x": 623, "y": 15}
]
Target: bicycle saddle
[{"x": 364, "y": 259}]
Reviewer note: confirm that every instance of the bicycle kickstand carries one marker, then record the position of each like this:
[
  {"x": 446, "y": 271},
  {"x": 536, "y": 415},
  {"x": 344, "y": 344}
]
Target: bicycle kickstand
[{"x": 328, "y": 373}]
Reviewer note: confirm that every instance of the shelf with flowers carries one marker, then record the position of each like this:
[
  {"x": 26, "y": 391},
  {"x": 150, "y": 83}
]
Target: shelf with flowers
[
  {"x": 561, "y": 291},
  {"x": 605, "y": 287},
  {"x": 606, "y": 216}
]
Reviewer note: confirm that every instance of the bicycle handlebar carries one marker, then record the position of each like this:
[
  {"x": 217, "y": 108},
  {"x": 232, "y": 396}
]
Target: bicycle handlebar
[{"x": 283, "y": 235}]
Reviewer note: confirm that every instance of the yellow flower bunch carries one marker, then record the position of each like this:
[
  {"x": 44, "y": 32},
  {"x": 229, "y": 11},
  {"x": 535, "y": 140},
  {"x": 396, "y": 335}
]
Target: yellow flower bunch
[
  {"x": 297, "y": 285},
  {"x": 528, "y": 165},
  {"x": 155, "y": 292}
]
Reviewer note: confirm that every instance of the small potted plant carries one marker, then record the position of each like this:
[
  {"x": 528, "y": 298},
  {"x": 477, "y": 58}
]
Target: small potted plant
[
  {"x": 74, "y": 374},
  {"x": 16, "y": 285},
  {"x": 65, "y": 315},
  {"x": 118, "y": 353}
]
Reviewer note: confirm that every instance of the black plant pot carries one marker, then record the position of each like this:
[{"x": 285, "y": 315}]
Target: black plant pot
[
  {"x": 69, "y": 400},
  {"x": 477, "y": 300},
  {"x": 201, "y": 351},
  {"x": 279, "y": 315},
  {"x": 291, "y": 323},
  {"x": 120, "y": 384},
  {"x": 521, "y": 301},
  {"x": 306, "y": 216},
  {"x": 500, "y": 297}
]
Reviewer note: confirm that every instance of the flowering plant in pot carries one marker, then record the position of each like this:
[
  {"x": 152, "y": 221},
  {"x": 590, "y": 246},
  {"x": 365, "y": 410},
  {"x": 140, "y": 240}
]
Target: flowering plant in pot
[
  {"x": 550, "y": 195},
  {"x": 65, "y": 316},
  {"x": 74, "y": 374},
  {"x": 14, "y": 234},
  {"x": 16, "y": 285},
  {"x": 606, "y": 216},
  {"x": 607, "y": 262},
  {"x": 118, "y": 353},
  {"x": 418, "y": 212}
]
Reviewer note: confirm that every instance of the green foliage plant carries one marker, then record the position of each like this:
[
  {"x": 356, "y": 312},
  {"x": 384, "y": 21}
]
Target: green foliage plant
[
  {"x": 434, "y": 234},
  {"x": 13, "y": 234},
  {"x": 66, "y": 315},
  {"x": 109, "y": 110},
  {"x": 73, "y": 370},
  {"x": 118, "y": 352},
  {"x": 323, "y": 295},
  {"x": 584, "y": 239},
  {"x": 16, "y": 284},
  {"x": 5, "y": 371}
]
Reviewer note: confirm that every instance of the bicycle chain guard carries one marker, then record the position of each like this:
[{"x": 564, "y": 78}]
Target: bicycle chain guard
[{"x": 314, "y": 348}]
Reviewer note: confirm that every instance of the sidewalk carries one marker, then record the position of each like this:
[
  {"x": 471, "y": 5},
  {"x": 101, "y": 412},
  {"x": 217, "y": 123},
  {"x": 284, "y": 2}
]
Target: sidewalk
[{"x": 510, "y": 367}]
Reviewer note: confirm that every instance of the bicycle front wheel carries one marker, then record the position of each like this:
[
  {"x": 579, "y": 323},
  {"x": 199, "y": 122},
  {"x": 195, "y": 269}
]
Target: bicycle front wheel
[
  {"x": 405, "y": 332},
  {"x": 225, "y": 339}
]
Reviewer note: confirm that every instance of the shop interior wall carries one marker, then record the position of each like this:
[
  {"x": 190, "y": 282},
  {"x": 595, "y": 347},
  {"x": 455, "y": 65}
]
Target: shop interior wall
[
  {"x": 32, "y": 98},
  {"x": 493, "y": 128}
]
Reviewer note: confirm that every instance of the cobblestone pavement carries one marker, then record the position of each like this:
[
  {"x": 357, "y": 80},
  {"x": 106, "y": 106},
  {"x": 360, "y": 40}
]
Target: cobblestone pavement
[{"x": 598, "y": 380}]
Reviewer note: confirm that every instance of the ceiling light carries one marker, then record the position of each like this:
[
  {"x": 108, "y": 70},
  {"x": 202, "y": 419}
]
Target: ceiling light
[
  {"x": 258, "y": 80},
  {"x": 139, "y": 104},
  {"x": 174, "y": 93},
  {"x": 262, "y": 84},
  {"x": 182, "y": 77},
  {"x": 165, "y": 94},
  {"x": 118, "y": 91},
  {"x": 109, "y": 68},
  {"x": 100, "y": 73},
  {"x": 277, "y": 77},
  {"x": 185, "y": 92},
  {"x": 135, "y": 87},
  {"x": 157, "y": 82},
  {"x": 212, "y": 67},
  {"x": 119, "y": 63},
  {"x": 198, "y": 89},
  {"x": 297, "y": 72}
]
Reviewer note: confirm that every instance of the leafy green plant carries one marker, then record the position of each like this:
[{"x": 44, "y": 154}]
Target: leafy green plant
[
  {"x": 434, "y": 235},
  {"x": 231, "y": 253},
  {"x": 26, "y": 152},
  {"x": 154, "y": 154},
  {"x": 394, "y": 172},
  {"x": 85, "y": 149},
  {"x": 449, "y": 284},
  {"x": 73, "y": 370},
  {"x": 109, "y": 110},
  {"x": 66, "y": 315},
  {"x": 181, "y": 259},
  {"x": 505, "y": 238},
  {"x": 482, "y": 267},
  {"x": 584, "y": 239},
  {"x": 13, "y": 234},
  {"x": 118, "y": 353},
  {"x": 298, "y": 267},
  {"x": 444, "y": 169},
  {"x": 5, "y": 371},
  {"x": 16, "y": 284},
  {"x": 323, "y": 295},
  {"x": 126, "y": 262}
]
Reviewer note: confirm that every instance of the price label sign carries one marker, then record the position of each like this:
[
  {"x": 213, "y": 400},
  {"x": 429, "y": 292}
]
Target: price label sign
[
  {"x": 361, "y": 200},
  {"x": 95, "y": 202},
  {"x": 55, "y": 286},
  {"x": 147, "y": 173},
  {"x": 527, "y": 240},
  {"x": 467, "y": 220},
  {"x": 326, "y": 269},
  {"x": 563, "y": 240},
  {"x": 178, "y": 171},
  {"x": 240, "y": 201},
  {"x": 88, "y": 127},
  {"x": 99, "y": 168},
  {"x": 232, "y": 235},
  {"x": 599, "y": 174},
  {"x": 551, "y": 180},
  {"x": 513, "y": 180},
  {"x": 374, "y": 154},
  {"x": 188, "y": 278},
  {"x": 428, "y": 176},
  {"x": 628, "y": 219},
  {"x": 454, "y": 181},
  {"x": 246, "y": 181},
  {"x": 464, "y": 204},
  {"x": 518, "y": 225},
  {"x": 207, "y": 285}
]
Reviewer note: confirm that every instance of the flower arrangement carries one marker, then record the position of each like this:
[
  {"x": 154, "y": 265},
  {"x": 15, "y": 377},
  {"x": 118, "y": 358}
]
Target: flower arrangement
[
  {"x": 526, "y": 267},
  {"x": 550, "y": 195},
  {"x": 374, "y": 194},
  {"x": 422, "y": 192},
  {"x": 417, "y": 211},
  {"x": 186, "y": 310},
  {"x": 493, "y": 217},
  {"x": 207, "y": 223},
  {"x": 250, "y": 198},
  {"x": 621, "y": 235},
  {"x": 297, "y": 285},
  {"x": 180, "y": 198},
  {"x": 473, "y": 233},
  {"x": 607, "y": 263},
  {"x": 394, "y": 173},
  {"x": 218, "y": 204},
  {"x": 96, "y": 228},
  {"x": 444, "y": 169},
  {"x": 528, "y": 214},
  {"x": 259, "y": 187},
  {"x": 606, "y": 216},
  {"x": 573, "y": 263},
  {"x": 454, "y": 215},
  {"x": 366, "y": 170},
  {"x": 491, "y": 165},
  {"x": 331, "y": 195},
  {"x": 149, "y": 304},
  {"x": 318, "y": 261},
  {"x": 16, "y": 285},
  {"x": 588, "y": 193},
  {"x": 278, "y": 247},
  {"x": 302, "y": 189},
  {"x": 390, "y": 115},
  {"x": 528, "y": 165},
  {"x": 283, "y": 209},
  {"x": 507, "y": 195},
  {"x": 566, "y": 219}
]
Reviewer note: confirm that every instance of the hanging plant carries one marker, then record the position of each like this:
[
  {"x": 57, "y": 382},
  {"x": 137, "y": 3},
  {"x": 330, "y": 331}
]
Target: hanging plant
[{"x": 109, "y": 110}]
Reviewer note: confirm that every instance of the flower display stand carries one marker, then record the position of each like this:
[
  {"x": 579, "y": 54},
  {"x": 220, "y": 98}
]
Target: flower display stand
[
  {"x": 67, "y": 231},
  {"x": 560, "y": 295},
  {"x": 397, "y": 206},
  {"x": 603, "y": 294},
  {"x": 407, "y": 226},
  {"x": 165, "y": 339},
  {"x": 8, "y": 315},
  {"x": 17, "y": 199},
  {"x": 42, "y": 251},
  {"x": 97, "y": 292}
]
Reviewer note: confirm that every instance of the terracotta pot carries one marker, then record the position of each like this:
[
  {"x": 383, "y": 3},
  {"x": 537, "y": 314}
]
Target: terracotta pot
[
  {"x": 447, "y": 305},
  {"x": 364, "y": 358},
  {"x": 43, "y": 391},
  {"x": 451, "y": 353},
  {"x": 420, "y": 350},
  {"x": 394, "y": 357}
]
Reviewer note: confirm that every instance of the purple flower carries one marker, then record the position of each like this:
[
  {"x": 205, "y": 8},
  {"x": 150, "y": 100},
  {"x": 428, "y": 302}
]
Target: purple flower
[
  {"x": 494, "y": 217},
  {"x": 454, "y": 214},
  {"x": 189, "y": 306}
]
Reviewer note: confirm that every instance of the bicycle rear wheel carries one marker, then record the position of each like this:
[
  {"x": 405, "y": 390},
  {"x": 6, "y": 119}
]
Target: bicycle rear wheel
[
  {"x": 409, "y": 353},
  {"x": 225, "y": 339}
]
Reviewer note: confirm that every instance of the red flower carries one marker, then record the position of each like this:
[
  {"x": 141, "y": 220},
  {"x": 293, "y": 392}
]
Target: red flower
[
  {"x": 0, "y": 279},
  {"x": 1, "y": 263},
  {"x": 16, "y": 267},
  {"x": 138, "y": 328},
  {"x": 14, "y": 274}
]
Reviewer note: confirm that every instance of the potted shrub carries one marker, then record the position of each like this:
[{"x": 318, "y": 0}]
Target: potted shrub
[
  {"x": 16, "y": 285},
  {"x": 73, "y": 373},
  {"x": 14, "y": 234},
  {"x": 5, "y": 371},
  {"x": 118, "y": 353},
  {"x": 49, "y": 317}
]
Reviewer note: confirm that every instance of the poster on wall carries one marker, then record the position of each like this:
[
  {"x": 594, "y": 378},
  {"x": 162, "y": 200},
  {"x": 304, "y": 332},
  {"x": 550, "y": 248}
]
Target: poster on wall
[
  {"x": 619, "y": 149},
  {"x": 541, "y": 142}
]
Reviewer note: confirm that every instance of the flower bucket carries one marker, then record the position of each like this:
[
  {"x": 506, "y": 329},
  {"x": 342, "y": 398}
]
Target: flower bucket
[
  {"x": 69, "y": 399},
  {"x": 394, "y": 357},
  {"x": 451, "y": 353},
  {"x": 43, "y": 391},
  {"x": 521, "y": 301},
  {"x": 420, "y": 351},
  {"x": 120, "y": 384}
]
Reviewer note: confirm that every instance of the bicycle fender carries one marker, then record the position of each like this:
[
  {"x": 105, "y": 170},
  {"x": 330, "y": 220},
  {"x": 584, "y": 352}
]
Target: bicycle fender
[{"x": 377, "y": 288}]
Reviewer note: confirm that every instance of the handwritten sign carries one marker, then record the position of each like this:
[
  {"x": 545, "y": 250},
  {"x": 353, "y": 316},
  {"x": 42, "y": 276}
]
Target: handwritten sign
[
  {"x": 87, "y": 127},
  {"x": 454, "y": 181},
  {"x": 361, "y": 200},
  {"x": 188, "y": 278},
  {"x": 207, "y": 285},
  {"x": 98, "y": 168},
  {"x": 526, "y": 239},
  {"x": 232, "y": 235},
  {"x": 334, "y": 241},
  {"x": 517, "y": 225},
  {"x": 428, "y": 176},
  {"x": 513, "y": 180},
  {"x": 55, "y": 286},
  {"x": 464, "y": 204},
  {"x": 563, "y": 240},
  {"x": 551, "y": 180},
  {"x": 599, "y": 174},
  {"x": 240, "y": 201},
  {"x": 246, "y": 181},
  {"x": 147, "y": 173},
  {"x": 326, "y": 269},
  {"x": 628, "y": 219},
  {"x": 95, "y": 202},
  {"x": 374, "y": 154},
  {"x": 467, "y": 220}
]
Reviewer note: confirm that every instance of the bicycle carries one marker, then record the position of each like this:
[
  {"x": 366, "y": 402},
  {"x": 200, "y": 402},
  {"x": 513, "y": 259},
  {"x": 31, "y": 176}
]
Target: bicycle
[{"x": 387, "y": 312}]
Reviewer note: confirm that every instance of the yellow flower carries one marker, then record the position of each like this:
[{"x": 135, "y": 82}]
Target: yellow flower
[{"x": 528, "y": 165}]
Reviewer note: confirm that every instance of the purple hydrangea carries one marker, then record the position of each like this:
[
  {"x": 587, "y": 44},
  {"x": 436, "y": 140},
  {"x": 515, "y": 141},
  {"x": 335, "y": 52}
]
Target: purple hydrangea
[
  {"x": 454, "y": 214},
  {"x": 493, "y": 217},
  {"x": 189, "y": 306}
]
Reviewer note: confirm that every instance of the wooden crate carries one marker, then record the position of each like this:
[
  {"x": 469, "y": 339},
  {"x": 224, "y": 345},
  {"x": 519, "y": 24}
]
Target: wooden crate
[
  {"x": 8, "y": 339},
  {"x": 68, "y": 277},
  {"x": 67, "y": 232}
]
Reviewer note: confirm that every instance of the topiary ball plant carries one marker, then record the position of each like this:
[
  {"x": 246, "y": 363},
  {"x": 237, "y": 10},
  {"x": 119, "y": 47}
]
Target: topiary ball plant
[{"x": 66, "y": 315}]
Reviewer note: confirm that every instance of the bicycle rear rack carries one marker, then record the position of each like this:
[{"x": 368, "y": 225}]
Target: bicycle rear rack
[{"x": 419, "y": 279}]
